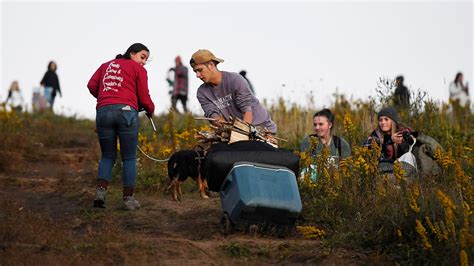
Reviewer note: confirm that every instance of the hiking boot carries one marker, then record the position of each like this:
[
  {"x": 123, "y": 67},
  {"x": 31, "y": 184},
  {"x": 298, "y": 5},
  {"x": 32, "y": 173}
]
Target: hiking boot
[
  {"x": 99, "y": 200},
  {"x": 130, "y": 203}
]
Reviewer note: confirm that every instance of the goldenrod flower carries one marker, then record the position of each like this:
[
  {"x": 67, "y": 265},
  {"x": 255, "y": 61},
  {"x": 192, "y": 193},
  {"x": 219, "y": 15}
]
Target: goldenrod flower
[
  {"x": 422, "y": 233},
  {"x": 463, "y": 258},
  {"x": 310, "y": 232},
  {"x": 399, "y": 233}
]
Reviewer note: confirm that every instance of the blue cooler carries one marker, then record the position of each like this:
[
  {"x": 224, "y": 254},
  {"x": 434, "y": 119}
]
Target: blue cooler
[{"x": 254, "y": 193}]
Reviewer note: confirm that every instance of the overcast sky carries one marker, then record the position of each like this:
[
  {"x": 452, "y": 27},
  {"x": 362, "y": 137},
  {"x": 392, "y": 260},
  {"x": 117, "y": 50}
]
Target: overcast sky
[{"x": 288, "y": 49}]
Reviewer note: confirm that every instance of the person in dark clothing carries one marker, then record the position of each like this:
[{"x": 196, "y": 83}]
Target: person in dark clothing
[
  {"x": 401, "y": 96},
  {"x": 243, "y": 73},
  {"x": 50, "y": 82},
  {"x": 390, "y": 135},
  {"x": 180, "y": 85}
]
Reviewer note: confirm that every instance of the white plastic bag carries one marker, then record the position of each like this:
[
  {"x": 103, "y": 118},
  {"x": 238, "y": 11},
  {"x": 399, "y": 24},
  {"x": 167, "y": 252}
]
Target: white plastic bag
[{"x": 409, "y": 157}]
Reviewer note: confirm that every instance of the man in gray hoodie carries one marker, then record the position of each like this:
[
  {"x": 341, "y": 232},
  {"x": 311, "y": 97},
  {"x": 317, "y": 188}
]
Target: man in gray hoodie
[{"x": 227, "y": 94}]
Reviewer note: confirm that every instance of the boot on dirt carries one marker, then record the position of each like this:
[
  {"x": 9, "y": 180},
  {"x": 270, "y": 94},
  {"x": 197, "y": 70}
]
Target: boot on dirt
[
  {"x": 130, "y": 203},
  {"x": 99, "y": 201}
]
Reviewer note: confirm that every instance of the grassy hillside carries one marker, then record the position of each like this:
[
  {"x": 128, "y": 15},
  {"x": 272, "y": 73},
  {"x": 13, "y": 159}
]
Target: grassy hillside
[{"x": 422, "y": 220}]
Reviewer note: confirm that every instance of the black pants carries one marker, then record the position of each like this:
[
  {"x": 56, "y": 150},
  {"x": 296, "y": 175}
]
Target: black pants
[{"x": 182, "y": 98}]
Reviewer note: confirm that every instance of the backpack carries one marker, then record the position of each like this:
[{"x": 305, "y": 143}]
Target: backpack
[
  {"x": 337, "y": 144},
  {"x": 424, "y": 153}
]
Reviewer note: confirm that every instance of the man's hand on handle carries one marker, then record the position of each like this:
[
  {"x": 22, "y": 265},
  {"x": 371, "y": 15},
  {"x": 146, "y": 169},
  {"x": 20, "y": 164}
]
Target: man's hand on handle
[{"x": 219, "y": 120}]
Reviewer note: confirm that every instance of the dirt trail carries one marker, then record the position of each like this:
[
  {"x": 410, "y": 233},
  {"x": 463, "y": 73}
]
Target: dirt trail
[{"x": 48, "y": 219}]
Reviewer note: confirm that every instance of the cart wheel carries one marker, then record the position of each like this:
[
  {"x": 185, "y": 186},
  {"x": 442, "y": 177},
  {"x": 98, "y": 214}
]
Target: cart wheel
[{"x": 225, "y": 225}]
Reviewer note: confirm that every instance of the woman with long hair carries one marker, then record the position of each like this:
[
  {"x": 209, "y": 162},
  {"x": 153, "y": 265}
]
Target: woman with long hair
[
  {"x": 458, "y": 91},
  {"x": 390, "y": 135},
  {"x": 50, "y": 82},
  {"x": 121, "y": 89},
  {"x": 15, "y": 97}
]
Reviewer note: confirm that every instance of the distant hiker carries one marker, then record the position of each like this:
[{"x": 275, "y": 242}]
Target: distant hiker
[
  {"x": 244, "y": 74},
  {"x": 15, "y": 97},
  {"x": 390, "y": 135},
  {"x": 179, "y": 84},
  {"x": 458, "y": 92},
  {"x": 121, "y": 89},
  {"x": 38, "y": 102},
  {"x": 401, "y": 95},
  {"x": 225, "y": 94},
  {"x": 323, "y": 122},
  {"x": 50, "y": 82}
]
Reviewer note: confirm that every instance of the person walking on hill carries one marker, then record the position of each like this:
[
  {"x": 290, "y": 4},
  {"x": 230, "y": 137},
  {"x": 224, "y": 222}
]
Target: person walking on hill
[
  {"x": 458, "y": 92},
  {"x": 180, "y": 85},
  {"x": 226, "y": 94},
  {"x": 15, "y": 97},
  {"x": 401, "y": 95},
  {"x": 244, "y": 74},
  {"x": 50, "y": 82},
  {"x": 121, "y": 89}
]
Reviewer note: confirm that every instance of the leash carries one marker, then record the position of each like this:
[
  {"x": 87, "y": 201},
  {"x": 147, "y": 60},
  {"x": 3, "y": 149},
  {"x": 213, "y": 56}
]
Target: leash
[
  {"x": 199, "y": 158},
  {"x": 152, "y": 158},
  {"x": 148, "y": 156}
]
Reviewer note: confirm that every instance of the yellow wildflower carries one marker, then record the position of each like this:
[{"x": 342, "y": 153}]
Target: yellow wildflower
[
  {"x": 399, "y": 233},
  {"x": 424, "y": 237},
  {"x": 310, "y": 232},
  {"x": 463, "y": 258}
]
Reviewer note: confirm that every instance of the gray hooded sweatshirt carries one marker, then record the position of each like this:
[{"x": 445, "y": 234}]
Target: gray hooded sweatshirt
[{"x": 232, "y": 98}]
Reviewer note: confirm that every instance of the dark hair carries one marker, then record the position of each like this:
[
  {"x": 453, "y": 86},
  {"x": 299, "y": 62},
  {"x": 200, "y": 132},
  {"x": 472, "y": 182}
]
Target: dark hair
[
  {"x": 456, "y": 79},
  {"x": 400, "y": 78},
  {"x": 210, "y": 62},
  {"x": 50, "y": 64},
  {"x": 326, "y": 113},
  {"x": 134, "y": 48}
]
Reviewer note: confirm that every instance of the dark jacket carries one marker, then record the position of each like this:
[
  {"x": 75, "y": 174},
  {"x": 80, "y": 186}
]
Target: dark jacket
[
  {"x": 389, "y": 153},
  {"x": 401, "y": 97},
  {"x": 50, "y": 79}
]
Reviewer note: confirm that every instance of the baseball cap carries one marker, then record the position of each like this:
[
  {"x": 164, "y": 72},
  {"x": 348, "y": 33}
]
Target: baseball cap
[{"x": 202, "y": 56}]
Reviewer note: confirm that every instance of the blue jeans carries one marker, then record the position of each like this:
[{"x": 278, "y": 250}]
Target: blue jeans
[
  {"x": 48, "y": 91},
  {"x": 49, "y": 95},
  {"x": 112, "y": 121}
]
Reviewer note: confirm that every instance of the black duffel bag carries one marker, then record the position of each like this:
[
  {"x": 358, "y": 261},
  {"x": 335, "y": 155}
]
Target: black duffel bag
[{"x": 220, "y": 159}]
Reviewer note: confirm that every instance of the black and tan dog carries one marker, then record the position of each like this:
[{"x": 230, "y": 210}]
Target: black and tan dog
[{"x": 184, "y": 164}]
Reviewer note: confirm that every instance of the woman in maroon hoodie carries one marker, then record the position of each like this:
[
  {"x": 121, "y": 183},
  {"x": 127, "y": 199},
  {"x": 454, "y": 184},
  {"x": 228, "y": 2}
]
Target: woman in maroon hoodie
[{"x": 121, "y": 89}]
